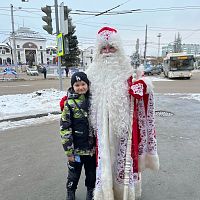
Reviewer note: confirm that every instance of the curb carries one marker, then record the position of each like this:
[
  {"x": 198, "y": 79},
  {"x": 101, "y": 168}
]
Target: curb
[
  {"x": 29, "y": 117},
  {"x": 26, "y": 79}
]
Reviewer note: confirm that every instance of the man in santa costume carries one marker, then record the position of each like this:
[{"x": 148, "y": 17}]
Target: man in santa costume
[{"x": 122, "y": 113}]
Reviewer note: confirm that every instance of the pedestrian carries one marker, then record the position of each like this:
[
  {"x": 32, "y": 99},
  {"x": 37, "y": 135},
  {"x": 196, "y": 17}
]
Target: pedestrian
[
  {"x": 122, "y": 113},
  {"x": 67, "y": 71},
  {"x": 44, "y": 70},
  {"x": 77, "y": 136}
]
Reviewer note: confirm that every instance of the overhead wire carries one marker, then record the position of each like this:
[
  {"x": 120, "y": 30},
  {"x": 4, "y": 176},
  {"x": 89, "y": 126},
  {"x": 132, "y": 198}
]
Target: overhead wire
[
  {"x": 35, "y": 10},
  {"x": 139, "y": 10}
]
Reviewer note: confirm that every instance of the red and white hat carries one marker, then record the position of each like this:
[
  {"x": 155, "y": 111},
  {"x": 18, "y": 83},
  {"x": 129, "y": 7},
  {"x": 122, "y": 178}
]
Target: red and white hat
[{"x": 108, "y": 35}]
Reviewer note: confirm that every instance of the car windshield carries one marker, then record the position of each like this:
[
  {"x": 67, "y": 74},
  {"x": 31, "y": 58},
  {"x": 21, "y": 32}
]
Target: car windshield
[{"x": 148, "y": 66}]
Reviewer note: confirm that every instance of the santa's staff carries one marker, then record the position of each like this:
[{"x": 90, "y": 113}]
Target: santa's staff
[
  {"x": 128, "y": 154},
  {"x": 128, "y": 164}
]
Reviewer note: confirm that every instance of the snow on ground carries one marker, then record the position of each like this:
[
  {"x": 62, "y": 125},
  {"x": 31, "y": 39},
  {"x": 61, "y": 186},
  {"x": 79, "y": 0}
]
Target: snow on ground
[
  {"x": 43, "y": 101},
  {"x": 27, "y": 122},
  {"x": 188, "y": 96}
]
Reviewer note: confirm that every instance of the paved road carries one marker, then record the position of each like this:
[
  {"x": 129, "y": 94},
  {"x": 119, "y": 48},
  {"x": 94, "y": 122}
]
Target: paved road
[
  {"x": 38, "y": 83},
  {"x": 28, "y": 84},
  {"x": 33, "y": 165}
]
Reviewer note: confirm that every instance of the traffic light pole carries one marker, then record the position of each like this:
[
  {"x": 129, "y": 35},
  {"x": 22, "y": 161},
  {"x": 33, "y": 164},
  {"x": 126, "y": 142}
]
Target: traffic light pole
[{"x": 57, "y": 32}]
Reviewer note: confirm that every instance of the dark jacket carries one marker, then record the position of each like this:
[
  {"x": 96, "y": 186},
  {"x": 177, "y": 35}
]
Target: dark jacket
[{"x": 76, "y": 134}]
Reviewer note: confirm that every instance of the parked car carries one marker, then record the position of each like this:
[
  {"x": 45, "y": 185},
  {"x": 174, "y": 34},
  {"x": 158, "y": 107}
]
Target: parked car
[
  {"x": 151, "y": 70},
  {"x": 32, "y": 71}
]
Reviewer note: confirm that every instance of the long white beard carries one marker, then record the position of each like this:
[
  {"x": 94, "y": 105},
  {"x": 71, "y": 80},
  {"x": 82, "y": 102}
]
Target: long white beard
[{"x": 109, "y": 89}]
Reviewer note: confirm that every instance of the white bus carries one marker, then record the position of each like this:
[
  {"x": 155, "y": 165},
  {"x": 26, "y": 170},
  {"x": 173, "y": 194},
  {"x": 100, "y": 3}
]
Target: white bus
[{"x": 178, "y": 65}]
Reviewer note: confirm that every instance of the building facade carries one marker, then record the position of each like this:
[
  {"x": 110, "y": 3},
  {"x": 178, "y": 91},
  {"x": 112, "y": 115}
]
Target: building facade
[
  {"x": 5, "y": 54},
  {"x": 187, "y": 48},
  {"x": 87, "y": 56},
  {"x": 30, "y": 47},
  {"x": 51, "y": 55}
]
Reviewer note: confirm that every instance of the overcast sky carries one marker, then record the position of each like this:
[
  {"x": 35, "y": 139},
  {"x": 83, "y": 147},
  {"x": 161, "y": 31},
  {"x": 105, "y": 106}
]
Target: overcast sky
[{"x": 167, "y": 17}]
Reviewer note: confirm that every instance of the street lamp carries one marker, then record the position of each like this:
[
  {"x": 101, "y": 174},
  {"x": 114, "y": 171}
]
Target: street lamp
[
  {"x": 159, "y": 36},
  {"x": 13, "y": 38}
]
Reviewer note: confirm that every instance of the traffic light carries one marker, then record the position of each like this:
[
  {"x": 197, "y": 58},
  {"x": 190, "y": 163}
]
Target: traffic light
[
  {"x": 48, "y": 27},
  {"x": 66, "y": 12},
  {"x": 69, "y": 19}
]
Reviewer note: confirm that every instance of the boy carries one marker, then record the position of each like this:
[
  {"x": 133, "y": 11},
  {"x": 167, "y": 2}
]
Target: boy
[{"x": 77, "y": 136}]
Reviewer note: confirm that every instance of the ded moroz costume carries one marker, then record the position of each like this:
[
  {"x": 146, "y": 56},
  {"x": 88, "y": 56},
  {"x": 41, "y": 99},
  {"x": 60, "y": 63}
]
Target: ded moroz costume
[{"x": 116, "y": 88}]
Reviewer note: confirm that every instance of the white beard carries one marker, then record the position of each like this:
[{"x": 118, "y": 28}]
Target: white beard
[{"x": 109, "y": 88}]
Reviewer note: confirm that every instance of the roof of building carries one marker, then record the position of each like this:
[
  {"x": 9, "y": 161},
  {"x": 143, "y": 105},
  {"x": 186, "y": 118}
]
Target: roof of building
[
  {"x": 3, "y": 44},
  {"x": 24, "y": 32}
]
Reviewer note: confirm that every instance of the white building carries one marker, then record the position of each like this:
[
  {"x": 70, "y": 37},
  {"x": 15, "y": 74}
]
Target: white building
[
  {"x": 30, "y": 46},
  {"x": 51, "y": 54},
  {"x": 87, "y": 56},
  {"x": 186, "y": 48},
  {"x": 5, "y": 54}
]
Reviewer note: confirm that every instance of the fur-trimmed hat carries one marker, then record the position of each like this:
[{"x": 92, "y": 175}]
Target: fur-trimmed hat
[
  {"x": 79, "y": 76},
  {"x": 107, "y": 35}
]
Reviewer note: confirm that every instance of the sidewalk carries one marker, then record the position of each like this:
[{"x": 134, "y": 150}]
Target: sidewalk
[
  {"x": 24, "y": 76},
  {"x": 40, "y": 77},
  {"x": 13, "y": 119}
]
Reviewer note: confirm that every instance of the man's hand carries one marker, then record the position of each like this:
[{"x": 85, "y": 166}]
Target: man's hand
[{"x": 71, "y": 158}]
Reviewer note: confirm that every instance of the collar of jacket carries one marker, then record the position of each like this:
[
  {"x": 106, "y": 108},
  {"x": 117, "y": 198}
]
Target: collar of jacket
[{"x": 72, "y": 95}]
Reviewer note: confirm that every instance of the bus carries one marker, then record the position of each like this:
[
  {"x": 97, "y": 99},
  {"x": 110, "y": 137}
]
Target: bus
[{"x": 178, "y": 65}]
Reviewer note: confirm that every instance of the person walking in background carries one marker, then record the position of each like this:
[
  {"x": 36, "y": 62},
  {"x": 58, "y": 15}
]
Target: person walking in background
[
  {"x": 122, "y": 113},
  {"x": 77, "y": 136},
  {"x": 44, "y": 71},
  {"x": 67, "y": 71}
]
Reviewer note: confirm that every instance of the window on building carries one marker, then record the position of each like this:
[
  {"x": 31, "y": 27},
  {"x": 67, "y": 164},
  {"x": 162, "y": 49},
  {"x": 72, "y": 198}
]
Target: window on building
[
  {"x": 7, "y": 50},
  {"x": 3, "y": 51},
  {"x": 18, "y": 46},
  {"x": 18, "y": 56},
  {"x": 41, "y": 54},
  {"x": 40, "y": 47}
]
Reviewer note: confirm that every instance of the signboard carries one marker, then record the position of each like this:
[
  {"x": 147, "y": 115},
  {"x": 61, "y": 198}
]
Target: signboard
[
  {"x": 183, "y": 57},
  {"x": 60, "y": 46},
  {"x": 189, "y": 57}
]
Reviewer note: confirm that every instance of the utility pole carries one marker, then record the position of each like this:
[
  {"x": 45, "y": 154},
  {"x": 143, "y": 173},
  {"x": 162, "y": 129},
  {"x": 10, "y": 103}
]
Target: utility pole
[
  {"x": 159, "y": 36},
  {"x": 145, "y": 45},
  {"x": 57, "y": 33},
  {"x": 13, "y": 38}
]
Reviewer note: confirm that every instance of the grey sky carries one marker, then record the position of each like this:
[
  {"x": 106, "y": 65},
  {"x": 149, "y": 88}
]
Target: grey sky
[{"x": 183, "y": 19}]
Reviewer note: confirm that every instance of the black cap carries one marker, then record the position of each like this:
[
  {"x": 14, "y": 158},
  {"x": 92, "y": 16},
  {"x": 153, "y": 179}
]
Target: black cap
[{"x": 79, "y": 76}]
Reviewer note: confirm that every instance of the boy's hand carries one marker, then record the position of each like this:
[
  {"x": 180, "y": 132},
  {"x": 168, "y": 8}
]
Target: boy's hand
[{"x": 71, "y": 158}]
